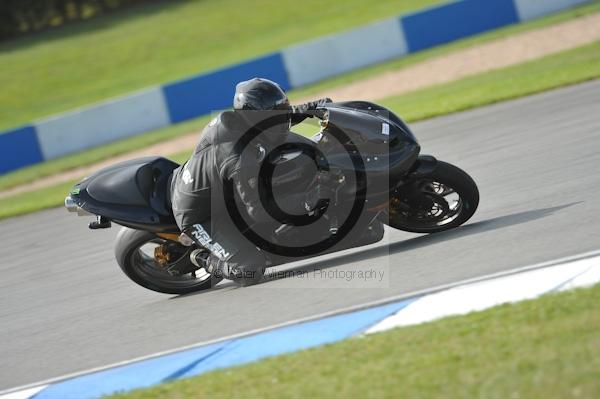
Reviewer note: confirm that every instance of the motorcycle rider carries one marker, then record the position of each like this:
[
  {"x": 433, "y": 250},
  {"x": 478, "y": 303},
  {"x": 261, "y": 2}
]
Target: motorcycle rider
[{"x": 197, "y": 184}]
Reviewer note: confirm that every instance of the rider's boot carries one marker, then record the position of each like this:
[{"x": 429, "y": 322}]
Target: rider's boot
[
  {"x": 240, "y": 274},
  {"x": 200, "y": 258}
]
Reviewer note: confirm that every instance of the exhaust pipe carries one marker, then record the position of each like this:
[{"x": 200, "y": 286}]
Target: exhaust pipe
[{"x": 73, "y": 207}]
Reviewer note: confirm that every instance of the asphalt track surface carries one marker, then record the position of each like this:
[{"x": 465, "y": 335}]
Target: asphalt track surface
[{"x": 66, "y": 307}]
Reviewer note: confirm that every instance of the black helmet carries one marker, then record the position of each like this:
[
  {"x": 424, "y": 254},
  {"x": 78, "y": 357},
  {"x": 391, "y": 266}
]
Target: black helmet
[
  {"x": 262, "y": 103},
  {"x": 260, "y": 94}
]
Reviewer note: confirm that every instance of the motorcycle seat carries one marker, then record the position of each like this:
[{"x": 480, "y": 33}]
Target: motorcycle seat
[{"x": 140, "y": 182}]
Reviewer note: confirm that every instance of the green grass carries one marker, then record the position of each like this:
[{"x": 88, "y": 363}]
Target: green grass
[
  {"x": 553, "y": 71},
  {"x": 86, "y": 62},
  {"x": 48, "y": 168},
  {"x": 37, "y": 200},
  {"x": 544, "y": 348},
  {"x": 564, "y": 68}
]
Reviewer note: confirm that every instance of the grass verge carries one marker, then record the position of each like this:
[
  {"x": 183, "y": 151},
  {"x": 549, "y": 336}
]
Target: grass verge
[
  {"x": 550, "y": 72},
  {"x": 149, "y": 44},
  {"x": 557, "y": 70},
  {"x": 34, "y": 201},
  {"x": 542, "y": 348},
  {"x": 51, "y": 167}
]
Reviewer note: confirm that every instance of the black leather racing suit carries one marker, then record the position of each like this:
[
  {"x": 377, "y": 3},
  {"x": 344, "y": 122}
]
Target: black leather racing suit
[{"x": 199, "y": 202}]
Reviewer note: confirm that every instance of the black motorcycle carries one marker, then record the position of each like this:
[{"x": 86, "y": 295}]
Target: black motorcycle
[{"x": 365, "y": 161}]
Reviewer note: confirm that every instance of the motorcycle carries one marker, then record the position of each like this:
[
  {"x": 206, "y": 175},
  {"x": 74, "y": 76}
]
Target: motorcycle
[{"x": 366, "y": 158}]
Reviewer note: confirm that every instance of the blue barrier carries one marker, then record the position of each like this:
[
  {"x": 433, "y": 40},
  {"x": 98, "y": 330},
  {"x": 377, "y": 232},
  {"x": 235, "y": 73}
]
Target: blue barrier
[
  {"x": 292, "y": 67},
  {"x": 529, "y": 9},
  {"x": 335, "y": 54},
  {"x": 202, "y": 94},
  {"x": 102, "y": 123},
  {"x": 455, "y": 21},
  {"x": 19, "y": 148}
]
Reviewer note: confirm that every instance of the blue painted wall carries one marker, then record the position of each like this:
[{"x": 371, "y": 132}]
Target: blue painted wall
[
  {"x": 19, "y": 148},
  {"x": 202, "y": 94},
  {"x": 455, "y": 21}
]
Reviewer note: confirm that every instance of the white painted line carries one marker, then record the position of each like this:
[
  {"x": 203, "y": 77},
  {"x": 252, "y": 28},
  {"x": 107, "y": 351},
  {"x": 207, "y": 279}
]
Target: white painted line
[
  {"x": 486, "y": 294},
  {"x": 590, "y": 277},
  {"x": 24, "y": 394},
  {"x": 348, "y": 309}
]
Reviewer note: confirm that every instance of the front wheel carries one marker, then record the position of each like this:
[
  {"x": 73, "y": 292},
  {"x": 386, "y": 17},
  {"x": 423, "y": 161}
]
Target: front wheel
[
  {"x": 441, "y": 200},
  {"x": 159, "y": 264}
]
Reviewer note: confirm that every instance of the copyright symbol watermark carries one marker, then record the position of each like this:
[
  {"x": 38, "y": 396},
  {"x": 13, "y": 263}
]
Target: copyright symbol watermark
[{"x": 316, "y": 192}]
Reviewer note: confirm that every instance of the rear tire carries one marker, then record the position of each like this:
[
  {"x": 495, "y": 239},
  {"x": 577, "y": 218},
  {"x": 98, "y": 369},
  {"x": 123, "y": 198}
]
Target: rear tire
[
  {"x": 408, "y": 206},
  {"x": 148, "y": 273}
]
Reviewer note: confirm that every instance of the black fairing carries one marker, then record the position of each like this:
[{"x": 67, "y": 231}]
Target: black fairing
[
  {"x": 136, "y": 193},
  {"x": 132, "y": 193},
  {"x": 384, "y": 156},
  {"x": 382, "y": 113},
  {"x": 293, "y": 175}
]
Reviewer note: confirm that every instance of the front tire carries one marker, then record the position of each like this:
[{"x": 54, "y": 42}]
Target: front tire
[
  {"x": 444, "y": 199},
  {"x": 141, "y": 266}
]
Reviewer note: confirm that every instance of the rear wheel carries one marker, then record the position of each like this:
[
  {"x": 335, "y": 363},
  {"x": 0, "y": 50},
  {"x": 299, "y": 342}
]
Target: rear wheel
[
  {"x": 442, "y": 200},
  {"x": 159, "y": 264}
]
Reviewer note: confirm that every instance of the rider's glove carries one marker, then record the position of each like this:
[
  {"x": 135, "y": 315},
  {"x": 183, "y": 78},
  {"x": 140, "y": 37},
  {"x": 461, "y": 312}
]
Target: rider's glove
[
  {"x": 311, "y": 106},
  {"x": 319, "y": 103}
]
